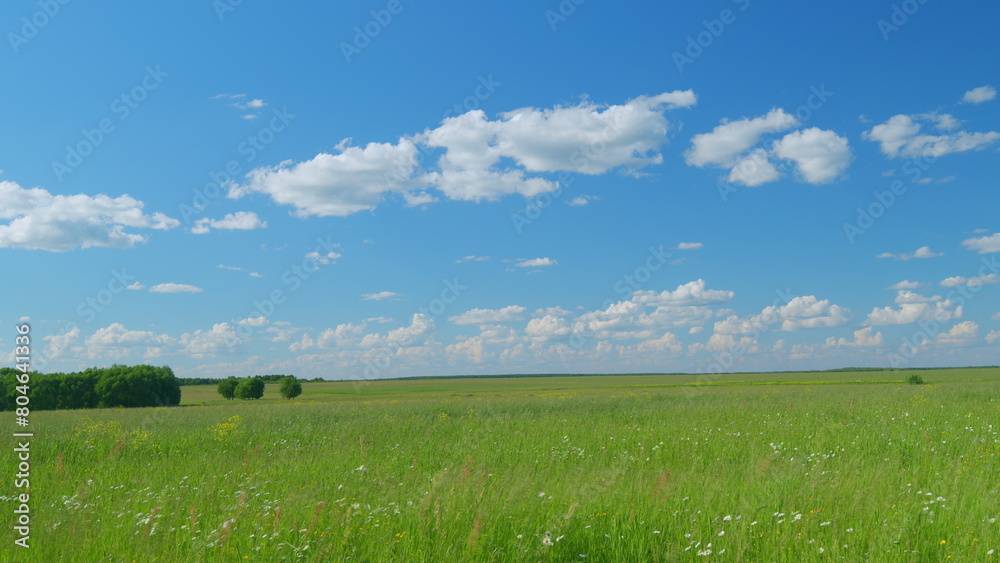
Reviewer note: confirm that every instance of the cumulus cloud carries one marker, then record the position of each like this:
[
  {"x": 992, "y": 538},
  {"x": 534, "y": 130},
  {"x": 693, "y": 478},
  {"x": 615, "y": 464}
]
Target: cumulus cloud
[
  {"x": 993, "y": 337},
  {"x": 901, "y": 135},
  {"x": 241, "y": 220},
  {"x": 691, "y": 293},
  {"x": 920, "y": 253},
  {"x": 489, "y": 316},
  {"x": 483, "y": 158},
  {"x": 983, "y": 245},
  {"x": 352, "y": 180},
  {"x": 547, "y": 327},
  {"x": 985, "y": 279},
  {"x": 37, "y": 220},
  {"x": 117, "y": 342},
  {"x": 820, "y": 156},
  {"x": 202, "y": 343},
  {"x": 962, "y": 334},
  {"x": 723, "y": 144},
  {"x": 175, "y": 288},
  {"x": 980, "y": 95},
  {"x": 913, "y": 308},
  {"x": 866, "y": 337},
  {"x": 753, "y": 169},
  {"x": 801, "y": 312},
  {"x": 905, "y": 284}
]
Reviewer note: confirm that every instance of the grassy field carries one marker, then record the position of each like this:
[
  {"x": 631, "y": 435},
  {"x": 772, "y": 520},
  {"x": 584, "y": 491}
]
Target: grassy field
[{"x": 748, "y": 467}]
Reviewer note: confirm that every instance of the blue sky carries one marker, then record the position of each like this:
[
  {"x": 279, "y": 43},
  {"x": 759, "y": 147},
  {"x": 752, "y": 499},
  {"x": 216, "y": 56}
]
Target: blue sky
[{"x": 384, "y": 189}]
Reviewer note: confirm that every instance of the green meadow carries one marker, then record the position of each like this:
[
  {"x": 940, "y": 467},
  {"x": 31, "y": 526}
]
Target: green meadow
[{"x": 847, "y": 466}]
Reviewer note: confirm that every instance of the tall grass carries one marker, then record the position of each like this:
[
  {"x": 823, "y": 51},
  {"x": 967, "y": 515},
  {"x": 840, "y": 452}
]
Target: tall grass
[{"x": 781, "y": 473}]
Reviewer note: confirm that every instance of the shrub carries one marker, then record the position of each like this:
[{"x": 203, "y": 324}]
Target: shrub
[
  {"x": 915, "y": 379},
  {"x": 252, "y": 388}
]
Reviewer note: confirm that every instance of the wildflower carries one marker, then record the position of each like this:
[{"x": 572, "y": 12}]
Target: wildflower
[
  {"x": 560, "y": 537},
  {"x": 754, "y": 523},
  {"x": 722, "y": 533},
  {"x": 540, "y": 495},
  {"x": 547, "y": 540},
  {"x": 821, "y": 550},
  {"x": 944, "y": 542},
  {"x": 990, "y": 552},
  {"x": 727, "y": 518}
]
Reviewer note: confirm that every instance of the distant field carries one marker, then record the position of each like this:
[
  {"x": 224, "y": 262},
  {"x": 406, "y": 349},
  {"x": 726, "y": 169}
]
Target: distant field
[
  {"x": 751, "y": 467},
  {"x": 584, "y": 384}
]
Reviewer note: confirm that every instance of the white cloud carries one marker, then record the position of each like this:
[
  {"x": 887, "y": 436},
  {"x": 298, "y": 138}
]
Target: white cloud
[
  {"x": 60, "y": 343},
  {"x": 820, "y": 156},
  {"x": 256, "y": 322},
  {"x": 732, "y": 138},
  {"x": 324, "y": 258},
  {"x": 801, "y": 312},
  {"x": 983, "y": 245},
  {"x": 241, "y": 220},
  {"x": 117, "y": 342},
  {"x": 416, "y": 199},
  {"x": 419, "y": 331},
  {"x": 489, "y": 316},
  {"x": 753, "y": 169},
  {"x": 483, "y": 159},
  {"x": 175, "y": 288},
  {"x": 135, "y": 286},
  {"x": 905, "y": 284},
  {"x": 536, "y": 263},
  {"x": 979, "y": 95},
  {"x": 961, "y": 334},
  {"x": 985, "y": 279},
  {"x": 993, "y": 337},
  {"x": 582, "y": 200},
  {"x": 547, "y": 327},
  {"x": 920, "y": 253},
  {"x": 691, "y": 293},
  {"x": 913, "y": 308},
  {"x": 689, "y": 246},
  {"x": 38, "y": 220},
  {"x": 379, "y": 296},
  {"x": 866, "y": 337},
  {"x": 472, "y": 258},
  {"x": 355, "y": 179},
  {"x": 900, "y": 136},
  {"x": 201, "y": 343}
]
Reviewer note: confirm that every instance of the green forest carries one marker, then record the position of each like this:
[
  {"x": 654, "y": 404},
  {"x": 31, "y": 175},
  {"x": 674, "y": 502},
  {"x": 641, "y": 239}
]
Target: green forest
[{"x": 115, "y": 386}]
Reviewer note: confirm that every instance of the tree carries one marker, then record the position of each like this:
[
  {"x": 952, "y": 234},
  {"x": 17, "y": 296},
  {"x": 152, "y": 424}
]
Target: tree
[
  {"x": 290, "y": 388},
  {"x": 251, "y": 388},
  {"x": 227, "y": 387}
]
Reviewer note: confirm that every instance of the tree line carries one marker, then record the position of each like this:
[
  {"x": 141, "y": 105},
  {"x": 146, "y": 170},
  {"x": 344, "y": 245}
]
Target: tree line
[
  {"x": 213, "y": 381},
  {"x": 115, "y": 386}
]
